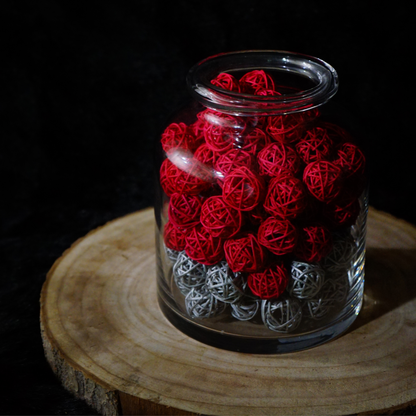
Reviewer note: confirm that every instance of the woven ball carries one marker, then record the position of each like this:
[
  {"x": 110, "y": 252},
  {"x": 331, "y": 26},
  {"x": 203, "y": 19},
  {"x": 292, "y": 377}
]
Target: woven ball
[
  {"x": 254, "y": 141},
  {"x": 244, "y": 254},
  {"x": 174, "y": 180},
  {"x": 200, "y": 303},
  {"x": 266, "y": 92},
  {"x": 278, "y": 235},
  {"x": 229, "y": 161},
  {"x": 315, "y": 145},
  {"x": 286, "y": 197},
  {"x": 306, "y": 279},
  {"x": 245, "y": 309},
  {"x": 351, "y": 160},
  {"x": 253, "y": 80},
  {"x": 171, "y": 254},
  {"x": 206, "y": 155},
  {"x": 277, "y": 158},
  {"x": 226, "y": 81},
  {"x": 173, "y": 237},
  {"x": 243, "y": 189},
  {"x": 332, "y": 294},
  {"x": 314, "y": 243},
  {"x": 269, "y": 283},
  {"x": 343, "y": 210},
  {"x": 188, "y": 274},
  {"x": 341, "y": 257},
  {"x": 323, "y": 180},
  {"x": 178, "y": 135},
  {"x": 203, "y": 247},
  {"x": 281, "y": 315},
  {"x": 219, "y": 218},
  {"x": 220, "y": 282},
  {"x": 184, "y": 210},
  {"x": 285, "y": 128}
]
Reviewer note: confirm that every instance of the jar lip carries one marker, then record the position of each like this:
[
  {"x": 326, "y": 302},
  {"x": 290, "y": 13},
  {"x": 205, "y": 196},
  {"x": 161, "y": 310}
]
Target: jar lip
[{"x": 322, "y": 74}]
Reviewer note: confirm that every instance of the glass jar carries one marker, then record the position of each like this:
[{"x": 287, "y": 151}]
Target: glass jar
[{"x": 261, "y": 206}]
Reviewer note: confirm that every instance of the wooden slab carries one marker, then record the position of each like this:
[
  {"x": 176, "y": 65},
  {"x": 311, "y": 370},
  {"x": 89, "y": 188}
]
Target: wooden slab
[{"x": 108, "y": 342}]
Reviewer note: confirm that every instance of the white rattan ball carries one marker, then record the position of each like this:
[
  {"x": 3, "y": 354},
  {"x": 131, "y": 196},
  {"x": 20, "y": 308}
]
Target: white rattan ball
[
  {"x": 200, "y": 303},
  {"x": 220, "y": 282},
  {"x": 245, "y": 309},
  {"x": 306, "y": 279},
  {"x": 171, "y": 254},
  {"x": 281, "y": 315},
  {"x": 188, "y": 273},
  {"x": 341, "y": 258}
]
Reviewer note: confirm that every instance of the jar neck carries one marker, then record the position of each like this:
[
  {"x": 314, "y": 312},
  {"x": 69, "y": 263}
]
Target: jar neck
[{"x": 307, "y": 82}]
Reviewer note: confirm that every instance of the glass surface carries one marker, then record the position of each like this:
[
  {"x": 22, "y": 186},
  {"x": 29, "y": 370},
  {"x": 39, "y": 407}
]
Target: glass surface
[{"x": 262, "y": 206}]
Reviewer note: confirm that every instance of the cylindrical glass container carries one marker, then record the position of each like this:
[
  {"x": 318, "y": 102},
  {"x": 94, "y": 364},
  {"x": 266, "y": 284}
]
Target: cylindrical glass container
[{"x": 261, "y": 206}]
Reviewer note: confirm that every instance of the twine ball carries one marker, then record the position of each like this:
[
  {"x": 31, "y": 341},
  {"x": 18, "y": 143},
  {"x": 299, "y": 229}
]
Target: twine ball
[
  {"x": 253, "y": 80},
  {"x": 219, "y": 218},
  {"x": 173, "y": 237},
  {"x": 323, "y": 180},
  {"x": 174, "y": 180},
  {"x": 278, "y": 235},
  {"x": 243, "y": 189},
  {"x": 171, "y": 254},
  {"x": 343, "y": 210},
  {"x": 178, "y": 135},
  {"x": 270, "y": 283},
  {"x": 281, "y": 315},
  {"x": 244, "y": 254},
  {"x": 315, "y": 145},
  {"x": 184, "y": 210},
  {"x": 254, "y": 141},
  {"x": 341, "y": 257},
  {"x": 277, "y": 158},
  {"x": 245, "y": 309},
  {"x": 188, "y": 274},
  {"x": 285, "y": 128},
  {"x": 332, "y": 294},
  {"x": 226, "y": 81},
  {"x": 220, "y": 282},
  {"x": 200, "y": 303},
  {"x": 266, "y": 92},
  {"x": 314, "y": 243},
  {"x": 351, "y": 160},
  {"x": 305, "y": 280},
  {"x": 206, "y": 155},
  {"x": 286, "y": 197},
  {"x": 229, "y": 161},
  {"x": 203, "y": 247}
]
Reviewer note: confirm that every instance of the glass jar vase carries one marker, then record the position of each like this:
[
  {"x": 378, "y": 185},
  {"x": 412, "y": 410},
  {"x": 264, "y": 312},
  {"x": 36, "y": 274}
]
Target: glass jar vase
[{"x": 261, "y": 206}]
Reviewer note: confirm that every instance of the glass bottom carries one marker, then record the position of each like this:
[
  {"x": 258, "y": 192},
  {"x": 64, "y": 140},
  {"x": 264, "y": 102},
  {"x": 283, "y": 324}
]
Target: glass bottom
[{"x": 254, "y": 345}]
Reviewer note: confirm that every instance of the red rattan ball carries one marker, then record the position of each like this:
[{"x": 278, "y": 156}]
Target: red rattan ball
[
  {"x": 174, "y": 180},
  {"x": 243, "y": 189},
  {"x": 184, "y": 210},
  {"x": 266, "y": 92},
  {"x": 286, "y": 197},
  {"x": 343, "y": 210},
  {"x": 278, "y": 235},
  {"x": 270, "y": 283},
  {"x": 254, "y": 80},
  {"x": 226, "y": 81},
  {"x": 229, "y": 161},
  {"x": 178, "y": 135},
  {"x": 244, "y": 254},
  {"x": 351, "y": 160},
  {"x": 285, "y": 128},
  {"x": 219, "y": 218},
  {"x": 203, "y": 247},
  {"x": 323, "y": 180},
  {"x": 173, "y": 237},
  {"x": 314, "y": 243},
  {"x": 206, "y": 155},
  {"x": 254, "y": 141},
  {"x": 277, "y": 158},
  {"x": 315, "y": 145}
]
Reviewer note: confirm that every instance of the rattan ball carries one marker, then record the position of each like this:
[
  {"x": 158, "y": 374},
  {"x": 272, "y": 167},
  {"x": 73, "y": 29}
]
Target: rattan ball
[
  {"x": 254, "y": 141},
  {"x": 220, "y": 282},
  {"x": 306, "y": 279},
  {"x": 285, "y": 128},
  {"x": 184, "y": 210},
  {"x": 245, "y": 309},
  {"x": 341, "y": 257},
  {"x": 253, "y": 80},
  {"x": 173, "y": 237},
  {"x": 178, "y": 135},
  {"x": 277, "y": 158},
  {"x": 229, "y": 161},
  {"x": 314, "y": 243},
  {"x": 226, "y": 81},
  {"x": 200, "y": 303},
  {"x": 188, "y": 273},
  {"x": 282, "y": 315},
  {"x": 278, "y": 235},
  {"x": 315, "y": 145},
  {"x": 351, "y": 159}
]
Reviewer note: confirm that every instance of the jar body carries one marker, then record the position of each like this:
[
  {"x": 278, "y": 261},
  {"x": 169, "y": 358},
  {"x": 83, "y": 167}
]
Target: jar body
[{"x": 261, "y": 208}]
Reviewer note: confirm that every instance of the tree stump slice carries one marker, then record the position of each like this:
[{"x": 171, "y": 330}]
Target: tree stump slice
[{"x": 106, "y": 339}]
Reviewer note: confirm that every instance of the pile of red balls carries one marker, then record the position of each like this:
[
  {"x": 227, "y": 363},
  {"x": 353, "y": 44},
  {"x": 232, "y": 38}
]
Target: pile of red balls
[{"x": 258, "y": 190}]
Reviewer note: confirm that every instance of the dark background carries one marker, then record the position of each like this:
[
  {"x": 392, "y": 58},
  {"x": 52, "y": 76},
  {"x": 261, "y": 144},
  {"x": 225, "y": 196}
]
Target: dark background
[{"x": 86, "y": 88}]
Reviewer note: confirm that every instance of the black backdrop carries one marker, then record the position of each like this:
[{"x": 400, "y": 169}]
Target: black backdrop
[{"x": 85, "y": 89}]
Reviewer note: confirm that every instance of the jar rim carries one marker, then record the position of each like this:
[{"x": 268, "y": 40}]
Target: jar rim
[{"x": 323, "y": 76}]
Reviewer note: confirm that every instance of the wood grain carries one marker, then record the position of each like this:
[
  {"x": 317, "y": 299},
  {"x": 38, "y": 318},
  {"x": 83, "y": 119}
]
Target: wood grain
[{"x": 108, "y": 342}]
